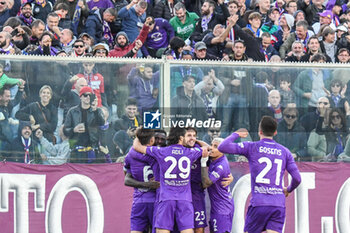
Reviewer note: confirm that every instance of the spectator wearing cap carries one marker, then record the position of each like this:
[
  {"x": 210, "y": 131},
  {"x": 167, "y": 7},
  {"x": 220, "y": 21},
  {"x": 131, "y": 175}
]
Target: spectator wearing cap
[
  {"x": 81, "y": 126},
  {"x": 340, "y": 31},
  {"x": 100, "y": 50},
  {"x": 98, "y": 25},
  {"x": 184, "y": 22},
  {"x": 158, "y": 38},
  {"x": 301, "y": 34},
  {"x": 286, "y": 24},
  {"x": 336, "y": 8},
  {"x": 6, "y": 11},
  {"x": 123, "y": 46},
  {"x": 328, "y": 42},
  {"x": 200, "y": 52},
  {"x": 216, "y": 40},
  {"x": 88, "y": 41},
  {"x": 133, "y": 16},
  {"x": 326, "y": 18},
  {"x": 209, "y": 17},
  {"x": 271, "y": 26},
  {"x": 67, "y": 40},
  {"x": 26, "y": 15},
  {"x": 312, "y": 9}
]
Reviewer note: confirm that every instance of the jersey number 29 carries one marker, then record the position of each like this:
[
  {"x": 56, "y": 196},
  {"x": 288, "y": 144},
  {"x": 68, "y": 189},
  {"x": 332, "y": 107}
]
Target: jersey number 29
[{"x": 184, "y": 166}]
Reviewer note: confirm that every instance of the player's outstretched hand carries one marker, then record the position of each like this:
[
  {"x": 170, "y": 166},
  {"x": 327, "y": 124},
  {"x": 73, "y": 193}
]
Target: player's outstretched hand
[
  {"x": 242, "y": 132},
  {"x": 286, "y": 193},
  {"x": 152, "y": 184},
  {"x": 227, "y": 181}
]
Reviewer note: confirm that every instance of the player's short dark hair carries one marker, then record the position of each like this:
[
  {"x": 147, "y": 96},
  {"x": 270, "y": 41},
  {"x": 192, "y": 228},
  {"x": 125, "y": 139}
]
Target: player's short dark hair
[
  {"x": 268, "y": 126},
  {"x": 191, "y": 129},
  {"x": 131, "y": 101},
  {"x": 144, "y": 135},
  {"x": 175, "y": 134},
  {"x": 160, "y": 131}
]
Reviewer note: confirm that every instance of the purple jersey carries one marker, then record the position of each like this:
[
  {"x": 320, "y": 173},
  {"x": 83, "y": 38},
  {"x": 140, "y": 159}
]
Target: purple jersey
[
  {"x": 196, "y": 180},
  {"x": 141, "y": 169},
  {"x": 220, "y": 197},
  {"x": 175, "y": 163},
  {"x": 268, "y": 161}
]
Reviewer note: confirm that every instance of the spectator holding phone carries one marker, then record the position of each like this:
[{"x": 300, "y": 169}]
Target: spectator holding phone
[{"x": 81, "y": 126}]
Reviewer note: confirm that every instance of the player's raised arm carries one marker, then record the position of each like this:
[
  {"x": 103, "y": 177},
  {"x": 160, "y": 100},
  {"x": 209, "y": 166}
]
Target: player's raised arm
[
  {"x": 130, "y": 181},
  {"x": 206, "y": 182},
  {"x": 229, "y": 147},
  {"x": 139, "y": 147}
]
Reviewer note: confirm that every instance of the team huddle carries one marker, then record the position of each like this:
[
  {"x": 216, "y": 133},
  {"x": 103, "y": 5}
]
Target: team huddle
[{"x": 170, "y": 180}]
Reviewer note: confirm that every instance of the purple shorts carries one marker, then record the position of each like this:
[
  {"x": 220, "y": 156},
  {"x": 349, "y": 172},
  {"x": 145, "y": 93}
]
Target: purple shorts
[
  {"x": 260, "y": 218},
  {"x": 221, "y": 222},
  {"x": 168, "y": 211},
  {"x": 141, "y": 216},
  {"x": 200, "y": 217}
]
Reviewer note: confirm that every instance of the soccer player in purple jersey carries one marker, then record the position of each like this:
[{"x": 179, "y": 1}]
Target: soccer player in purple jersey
[
  {"x": 268, "y": 161},
  {"x": 139, "y": 171},
  {"x": 221, "y": 212},
  {"x": 175, "y": 197},
  {"x": 198, "y": 194}
]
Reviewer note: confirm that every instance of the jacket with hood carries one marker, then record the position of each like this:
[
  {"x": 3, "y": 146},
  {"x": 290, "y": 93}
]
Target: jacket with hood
[
  {"x": 278, "y": 35},
  {"x": 119, "y": 51},
  {"x": 94, "y": 25}
]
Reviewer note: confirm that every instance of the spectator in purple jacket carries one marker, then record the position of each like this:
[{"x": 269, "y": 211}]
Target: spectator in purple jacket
[
  {"x": 159, "y": 37},
  {"x": 98, "y": 4},
  {"x": 143, "y": 86}
]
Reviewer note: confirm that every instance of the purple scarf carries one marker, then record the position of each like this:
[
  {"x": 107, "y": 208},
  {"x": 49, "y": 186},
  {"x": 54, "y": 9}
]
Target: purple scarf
[
  {"x": 107, "y": 34},
  {"x": 53, "y": 51},
  {"x": 27, "y": 21}
]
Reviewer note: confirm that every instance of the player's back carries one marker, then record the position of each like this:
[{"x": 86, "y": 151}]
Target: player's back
[
  {"x": 175, "y": 168},
  {"x": 268, "y": 161},
  {"x": 141, "y": 169}
]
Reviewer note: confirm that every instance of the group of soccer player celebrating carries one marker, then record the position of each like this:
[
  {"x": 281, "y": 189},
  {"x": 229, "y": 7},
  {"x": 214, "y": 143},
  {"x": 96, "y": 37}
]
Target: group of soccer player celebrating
[{"x": 170, "y": 180}]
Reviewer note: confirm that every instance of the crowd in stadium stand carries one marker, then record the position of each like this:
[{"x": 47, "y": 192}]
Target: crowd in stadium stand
[{"x": 311, "y": 105}]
